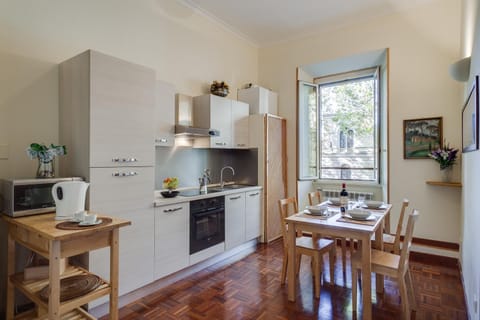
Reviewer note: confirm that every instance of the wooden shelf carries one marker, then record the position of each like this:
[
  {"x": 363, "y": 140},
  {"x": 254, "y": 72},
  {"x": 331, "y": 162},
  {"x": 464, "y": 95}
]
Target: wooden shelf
[
  {"x": 32, "y": 288},
  {"x": 75, "y": 314},
  {"x": 444, "y": 184}
]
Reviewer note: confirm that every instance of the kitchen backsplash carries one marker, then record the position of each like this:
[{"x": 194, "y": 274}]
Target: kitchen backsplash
[{"x": 188, "y": 164}]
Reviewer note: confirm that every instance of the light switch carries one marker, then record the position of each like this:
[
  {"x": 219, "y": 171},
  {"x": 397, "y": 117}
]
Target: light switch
[{"x": 3, "y": 151}]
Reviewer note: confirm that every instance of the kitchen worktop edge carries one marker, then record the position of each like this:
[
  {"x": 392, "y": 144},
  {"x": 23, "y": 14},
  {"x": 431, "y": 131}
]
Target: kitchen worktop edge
[{"x": 161, "y": 201}]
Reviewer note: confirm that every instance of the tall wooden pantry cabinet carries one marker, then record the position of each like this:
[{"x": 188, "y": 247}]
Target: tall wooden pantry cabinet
[
  {"x": 272, "y": 168},
  {"x": 106, "y": 112}
]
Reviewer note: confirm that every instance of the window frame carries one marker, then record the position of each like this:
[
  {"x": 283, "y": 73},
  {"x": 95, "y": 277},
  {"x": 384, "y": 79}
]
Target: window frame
[{"x": 373, "y": 72}]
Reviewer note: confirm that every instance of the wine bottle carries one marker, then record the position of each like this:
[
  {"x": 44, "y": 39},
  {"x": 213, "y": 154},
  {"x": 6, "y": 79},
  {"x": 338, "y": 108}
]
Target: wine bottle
[{"x": 343, "y": 199}]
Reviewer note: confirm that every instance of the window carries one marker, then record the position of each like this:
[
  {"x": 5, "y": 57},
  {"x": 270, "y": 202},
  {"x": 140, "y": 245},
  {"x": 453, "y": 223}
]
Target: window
[{"x": 343, "y": 143}]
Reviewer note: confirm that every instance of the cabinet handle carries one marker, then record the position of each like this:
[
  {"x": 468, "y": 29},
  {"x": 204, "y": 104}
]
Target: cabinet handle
[
  {"x": 124, "y": 160},
  {"x": 220, "y": 143},
  {"x": 253, "y": 194},
  {"x": 172, "y": 210},
  {"x": 161, "y": 140},
  {"x": 235, "y": 198},
  {"x": 125, "y": 174}
]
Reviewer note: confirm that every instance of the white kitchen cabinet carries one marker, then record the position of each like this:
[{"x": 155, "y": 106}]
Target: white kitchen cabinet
[
  {"x": 107, "y": 123},
  {"x": 227, "y": 116},
  {"x": 253, "y": 214},
  {"x": 239, "y": 124},
  {"x": 136, "y": 252},
  {"x": 261, "y": 100},
  {"x": 234, "y": 220},
  {"x": 171, "y": 239},
  {"x": 210, "y": 111},
  {"x": 164, "y": 114}
]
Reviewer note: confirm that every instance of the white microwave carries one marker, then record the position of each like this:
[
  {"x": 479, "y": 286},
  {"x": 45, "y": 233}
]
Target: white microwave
[{"x": 24, "y": 197}]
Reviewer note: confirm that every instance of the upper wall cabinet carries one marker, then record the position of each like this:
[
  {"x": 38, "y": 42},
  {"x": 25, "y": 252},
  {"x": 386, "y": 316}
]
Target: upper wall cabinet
[
  {"x": 111, "y": 102},
  {"x": 227, "y": 116},
  {"x": 164, "y": 114},
  {"x": 261, "y": 100}
]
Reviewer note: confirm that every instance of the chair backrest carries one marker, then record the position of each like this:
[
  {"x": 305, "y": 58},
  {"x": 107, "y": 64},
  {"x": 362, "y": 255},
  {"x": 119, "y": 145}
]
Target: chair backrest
[
  {"x": 314, "y": 197},
  {"x": 284, "y": 205},
  {"x": 407, "y": 241},
  {"x": 400, "y": 226}
]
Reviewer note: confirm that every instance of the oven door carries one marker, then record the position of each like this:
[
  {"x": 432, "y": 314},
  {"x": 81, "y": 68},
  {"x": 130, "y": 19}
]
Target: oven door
[{"x": 206, "y": 229}]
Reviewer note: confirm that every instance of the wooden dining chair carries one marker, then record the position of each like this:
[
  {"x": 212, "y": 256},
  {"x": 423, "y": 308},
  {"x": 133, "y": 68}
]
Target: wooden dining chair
[
  {"x": 391, "y": 242},
  {"x": 315, "y": 197},
  {"x": 391, "y": 265},
  {"x": 310, "y": 246}
]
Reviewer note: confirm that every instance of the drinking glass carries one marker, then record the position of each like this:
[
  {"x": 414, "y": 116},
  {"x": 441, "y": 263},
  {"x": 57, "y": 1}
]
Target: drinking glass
[{"x": 361, "y": 200}]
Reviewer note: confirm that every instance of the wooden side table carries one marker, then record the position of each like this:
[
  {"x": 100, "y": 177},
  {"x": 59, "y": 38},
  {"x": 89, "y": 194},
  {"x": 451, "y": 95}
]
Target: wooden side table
[{"x": 39, "y": 234}]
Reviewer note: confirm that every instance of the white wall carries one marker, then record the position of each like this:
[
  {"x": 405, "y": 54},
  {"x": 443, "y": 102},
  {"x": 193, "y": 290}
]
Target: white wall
[
  {"x": 184, "y": 48},
  {"x": 423, "y": 42},
  {"x": 470, "y": 257}
]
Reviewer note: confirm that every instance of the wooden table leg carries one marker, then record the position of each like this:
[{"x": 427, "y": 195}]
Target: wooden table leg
[
  {"x": 10, "y": 310},
  {"x": 114, "y": 275},
  {"x": 291, "y": 261},
  {"x": 379, "y": 283},
  {"x": 54, "y": 276},
  {"x": 367, "y": 278}
]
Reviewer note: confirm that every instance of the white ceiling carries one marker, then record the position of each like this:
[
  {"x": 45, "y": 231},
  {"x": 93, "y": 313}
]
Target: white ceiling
[{"x": 265, "y": 22}]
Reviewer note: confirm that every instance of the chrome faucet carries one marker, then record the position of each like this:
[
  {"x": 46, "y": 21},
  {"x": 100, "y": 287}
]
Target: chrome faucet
[
  {"x": 222, "y": 183},
  {"x": 204, "y": 180}
]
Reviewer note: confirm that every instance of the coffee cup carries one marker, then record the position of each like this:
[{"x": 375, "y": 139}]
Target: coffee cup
[
  {"x": 90, "y": 218},
  {"x": 79, "y": 216}
]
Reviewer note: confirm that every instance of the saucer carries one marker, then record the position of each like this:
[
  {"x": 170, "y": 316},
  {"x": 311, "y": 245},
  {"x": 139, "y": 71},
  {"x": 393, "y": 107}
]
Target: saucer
[{"x": 86, "y": 224}]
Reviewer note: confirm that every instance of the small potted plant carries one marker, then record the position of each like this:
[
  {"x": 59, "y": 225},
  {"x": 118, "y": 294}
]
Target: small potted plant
[
  {"x": 170, "y": 183},
  {"x": 219, "y": 88},
  {"x": 446, "y": 157},
  {"x": 45, "y": 156}
]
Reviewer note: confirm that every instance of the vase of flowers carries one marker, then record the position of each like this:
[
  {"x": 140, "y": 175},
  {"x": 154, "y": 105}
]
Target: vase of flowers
[
  {"x": 446, "y": 157},
  {"x": 45, "y": 156},
  {"x": 170, "y": 183}
]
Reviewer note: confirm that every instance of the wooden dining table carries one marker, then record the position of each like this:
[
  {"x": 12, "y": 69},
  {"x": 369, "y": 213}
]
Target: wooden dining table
[{"x": 334, "y": 226}]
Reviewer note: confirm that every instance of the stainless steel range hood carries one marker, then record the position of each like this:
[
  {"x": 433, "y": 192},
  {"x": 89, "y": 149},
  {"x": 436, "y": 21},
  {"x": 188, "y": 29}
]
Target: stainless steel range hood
[
  {"x": 184, "y": 126},
  {"x": 181, "y": 130}
]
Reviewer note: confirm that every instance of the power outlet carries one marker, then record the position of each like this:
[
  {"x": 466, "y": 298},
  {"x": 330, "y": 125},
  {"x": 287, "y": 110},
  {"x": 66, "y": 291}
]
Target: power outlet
[{"x": 3, "y": 152}]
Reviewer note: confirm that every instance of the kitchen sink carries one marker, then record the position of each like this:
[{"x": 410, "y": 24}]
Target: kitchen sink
[
  {"x": 229, "y": 187},
  {"x": 197, "y": 192},
  {"x": 236, "y": 186}
]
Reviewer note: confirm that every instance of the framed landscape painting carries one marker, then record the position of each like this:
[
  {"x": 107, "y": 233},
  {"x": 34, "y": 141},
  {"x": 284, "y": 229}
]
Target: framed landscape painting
[
  {"x": 470, "y": 120},
  {"x": 420, "y": 136}
]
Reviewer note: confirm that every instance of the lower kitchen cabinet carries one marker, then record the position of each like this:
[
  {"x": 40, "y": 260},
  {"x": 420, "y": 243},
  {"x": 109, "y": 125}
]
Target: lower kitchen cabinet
[
  {"x": 171, "y": 238},
  {"x": 253, "y": 214},
  {"x": 234, "y": 220},
  {"x": 135, "y": 254}
]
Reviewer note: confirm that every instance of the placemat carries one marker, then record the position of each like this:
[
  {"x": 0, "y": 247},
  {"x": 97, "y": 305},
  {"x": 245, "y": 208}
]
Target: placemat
[
  {"x": 364, "y": 222},
  {"x": 320, "y": 217},
  {"x": 71, "y": 225},
  {"x": 73, "y": 287}
]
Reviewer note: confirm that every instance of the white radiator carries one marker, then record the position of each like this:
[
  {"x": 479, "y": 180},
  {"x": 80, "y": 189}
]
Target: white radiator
[{"x": 353, "y": 195}]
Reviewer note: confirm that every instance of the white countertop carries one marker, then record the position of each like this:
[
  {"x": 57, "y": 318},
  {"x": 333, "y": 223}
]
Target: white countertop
[{"x": 159, "y": 200}]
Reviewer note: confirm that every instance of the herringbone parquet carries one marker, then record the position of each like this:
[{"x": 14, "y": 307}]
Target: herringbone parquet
[{"x": 250, "y": 289}]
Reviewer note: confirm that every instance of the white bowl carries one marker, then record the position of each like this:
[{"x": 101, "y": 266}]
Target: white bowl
[
  {"x": 318, "y": 210},
  {"x": 359, "y": 213},
  {"x": 373, "y": 204},
  {"x": 334, "y": 201}
]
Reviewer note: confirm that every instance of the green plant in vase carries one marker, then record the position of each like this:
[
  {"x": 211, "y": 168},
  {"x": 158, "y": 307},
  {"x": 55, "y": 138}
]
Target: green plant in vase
[{"x": 45, "y": 156}]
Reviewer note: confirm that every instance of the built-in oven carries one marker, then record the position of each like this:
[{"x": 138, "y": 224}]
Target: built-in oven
[{"x": 207, "y": 223}]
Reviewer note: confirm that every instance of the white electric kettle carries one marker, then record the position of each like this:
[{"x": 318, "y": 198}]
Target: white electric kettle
[{"x": 69, "y": 198}]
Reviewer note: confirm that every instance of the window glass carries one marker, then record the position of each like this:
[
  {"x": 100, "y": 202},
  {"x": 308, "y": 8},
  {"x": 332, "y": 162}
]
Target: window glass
[{"x": 347, "y": 132}]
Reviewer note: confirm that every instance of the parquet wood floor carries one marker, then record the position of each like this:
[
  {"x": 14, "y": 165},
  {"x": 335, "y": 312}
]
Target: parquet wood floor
[{"x": 250, "y": 289}]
